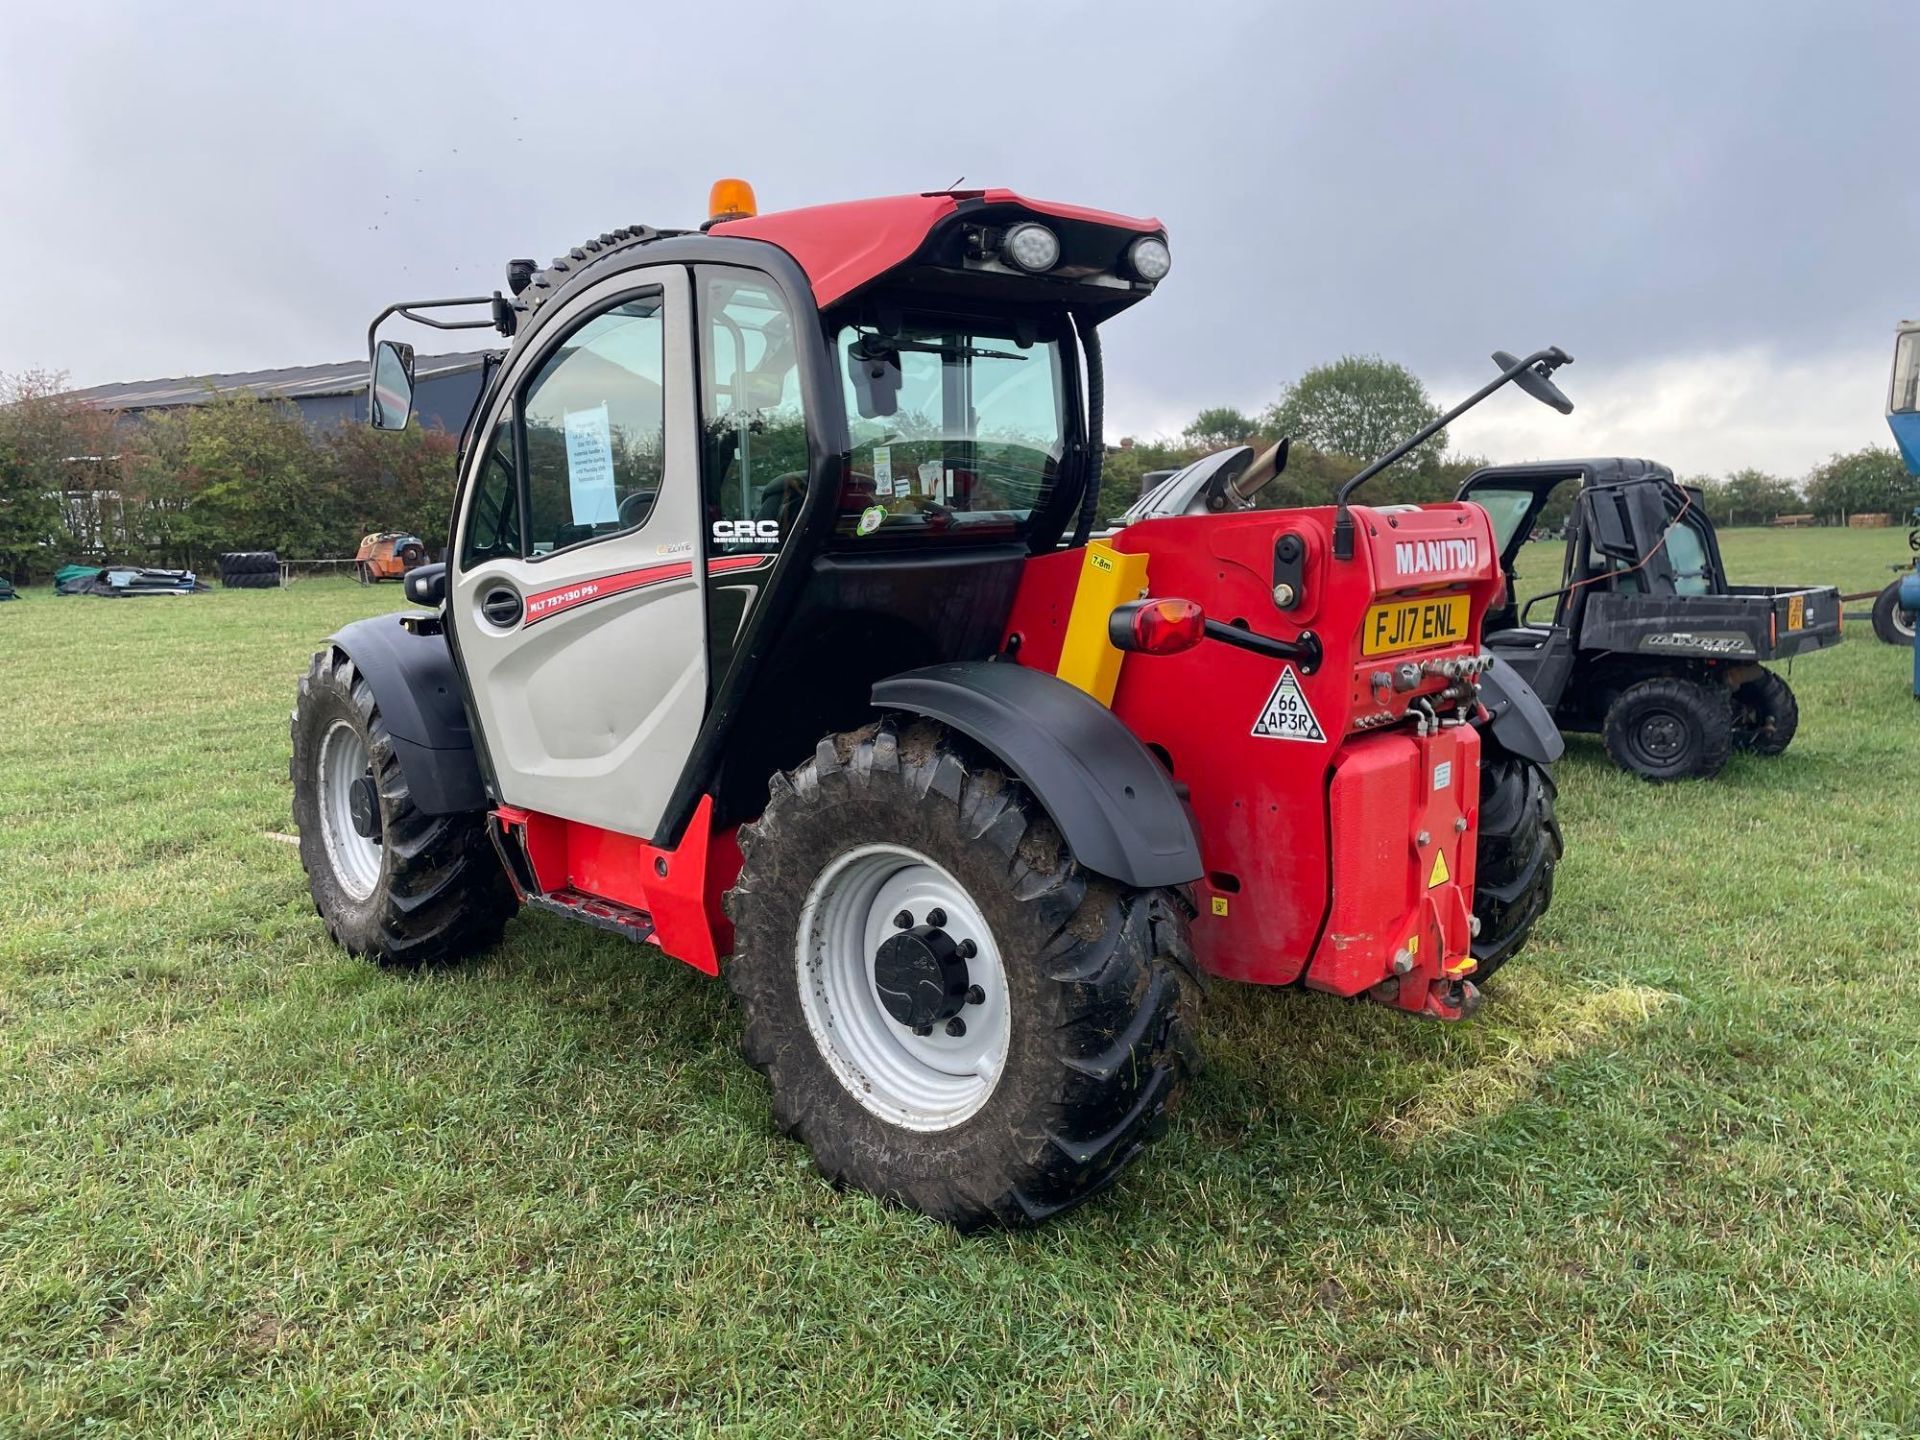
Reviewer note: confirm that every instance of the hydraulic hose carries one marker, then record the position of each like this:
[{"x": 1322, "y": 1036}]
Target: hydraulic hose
[{"x": 1096, "y": 444}]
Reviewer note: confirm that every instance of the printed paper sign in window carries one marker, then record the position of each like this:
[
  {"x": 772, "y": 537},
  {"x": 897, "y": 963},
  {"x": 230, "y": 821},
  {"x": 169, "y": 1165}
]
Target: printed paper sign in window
[{"x": 590, "y": 467}]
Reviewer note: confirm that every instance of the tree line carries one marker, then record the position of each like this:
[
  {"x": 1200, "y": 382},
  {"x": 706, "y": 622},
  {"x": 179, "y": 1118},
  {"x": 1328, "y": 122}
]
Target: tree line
[
  {"x": 177, "y": 487},
  {"x": 1344, "y": 414}
]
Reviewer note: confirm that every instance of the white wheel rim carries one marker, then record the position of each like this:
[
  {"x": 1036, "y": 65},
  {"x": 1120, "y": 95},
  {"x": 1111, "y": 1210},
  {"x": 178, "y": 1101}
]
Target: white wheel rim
[
  {"x": 918, "y": 1082},
  {"x": 355, "y": 859}
]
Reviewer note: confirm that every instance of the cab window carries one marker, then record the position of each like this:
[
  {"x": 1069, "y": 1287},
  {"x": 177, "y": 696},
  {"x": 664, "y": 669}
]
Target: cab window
[
  {"x": 753, "y": 419},
  {"x": 493, "y": 514},
  {"x": 595, "y": 429},
  {"x": 1687, "y": 555},
  {"x": 1905, "y": 397},
  {"x": 957, "y": 426}
]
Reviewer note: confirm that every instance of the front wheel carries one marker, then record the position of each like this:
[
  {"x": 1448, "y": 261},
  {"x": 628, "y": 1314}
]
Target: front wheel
[
  {"x": 392, "y": 884},
  {"x": 1765, "y": 714},
  {"x": 1670, "y": 729},
  {"x": 1518, "y": 846},
  {"x": 951, "y": 1012},
  {"x": 1892, "y": 621}
]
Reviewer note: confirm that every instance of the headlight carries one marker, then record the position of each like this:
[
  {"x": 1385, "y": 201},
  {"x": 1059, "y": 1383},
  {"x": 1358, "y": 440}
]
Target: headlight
[
  {"x": 1033, "y": 248},
  {"x": 1149, "y": 258}
]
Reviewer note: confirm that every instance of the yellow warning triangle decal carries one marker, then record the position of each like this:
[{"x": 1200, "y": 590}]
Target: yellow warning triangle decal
[{"x": 1439, "y": 875}]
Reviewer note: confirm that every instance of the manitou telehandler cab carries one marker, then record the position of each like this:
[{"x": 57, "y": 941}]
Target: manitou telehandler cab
[
  {"x": 1642, "y": 638},
  {"x": 772, "y": 635}
]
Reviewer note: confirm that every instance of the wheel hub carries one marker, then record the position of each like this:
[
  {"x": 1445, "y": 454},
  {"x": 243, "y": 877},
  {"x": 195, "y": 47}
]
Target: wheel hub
[
  {"x": 921, "y": 976},
  {"x": 363, "y": 807},
  {"x": 1662, "y": 736}
]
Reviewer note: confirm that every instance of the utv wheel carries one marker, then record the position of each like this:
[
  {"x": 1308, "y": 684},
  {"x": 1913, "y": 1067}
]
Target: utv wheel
[
  {"x": 392, "y": 884},
  {"x": 951, "y": 1012},
  {"x": 1519, "y": 845},
  {"x": 1892, "y": 622},
  {"x": 1670, "y": 729},
  {"x": 1765, "y": 715}
]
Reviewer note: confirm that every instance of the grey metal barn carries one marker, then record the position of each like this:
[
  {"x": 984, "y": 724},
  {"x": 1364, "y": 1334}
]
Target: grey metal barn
[{"x": 325, "y": 395}]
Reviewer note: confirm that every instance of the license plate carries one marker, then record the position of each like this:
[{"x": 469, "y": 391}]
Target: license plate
[
  {"x": 1796, "y": 612},
  {"x": 1414, "y": 625}
]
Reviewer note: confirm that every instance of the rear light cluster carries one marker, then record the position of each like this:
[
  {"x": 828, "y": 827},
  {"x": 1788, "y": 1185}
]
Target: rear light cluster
[{"x": 1157, "y": 627}]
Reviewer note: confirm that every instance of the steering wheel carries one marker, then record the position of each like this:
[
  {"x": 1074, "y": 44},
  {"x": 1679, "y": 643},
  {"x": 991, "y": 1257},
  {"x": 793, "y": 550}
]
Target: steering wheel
[{"x": 642, "y": 501}]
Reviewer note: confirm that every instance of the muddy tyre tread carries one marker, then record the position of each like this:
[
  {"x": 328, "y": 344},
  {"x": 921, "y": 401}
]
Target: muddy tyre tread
[
  {"x": 1765, "y": 715},
  {"x": 1519, "y": 846},
  {"x": 1101, "y": 1049},
  {"x": 443, "y": 895}
]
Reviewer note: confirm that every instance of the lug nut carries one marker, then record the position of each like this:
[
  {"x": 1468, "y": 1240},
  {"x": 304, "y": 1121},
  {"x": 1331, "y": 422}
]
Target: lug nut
[
  {"x": 976, "y": 996},
  {"x": 903, "y": 921},
  {"x": 956, "y": 1027},
  {"x": 936, "y": 917},
  {"x": 923, "y": 1029},
  {"x": 967, "y": 951}
]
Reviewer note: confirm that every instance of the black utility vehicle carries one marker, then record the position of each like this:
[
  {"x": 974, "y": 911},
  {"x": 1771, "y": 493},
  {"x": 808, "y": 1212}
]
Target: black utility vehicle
[{"x": 1642, "y": 639}]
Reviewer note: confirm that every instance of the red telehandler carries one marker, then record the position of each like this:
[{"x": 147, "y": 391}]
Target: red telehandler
[{"x": 772, "y": 633}]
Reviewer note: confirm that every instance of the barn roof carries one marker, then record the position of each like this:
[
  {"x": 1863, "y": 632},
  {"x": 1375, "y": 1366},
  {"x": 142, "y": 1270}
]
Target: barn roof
[{"x": 296, "y": 382}]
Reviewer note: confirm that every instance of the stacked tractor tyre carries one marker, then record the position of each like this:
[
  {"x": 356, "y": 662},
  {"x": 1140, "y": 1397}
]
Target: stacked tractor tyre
[{"x": 250, "y": 570}]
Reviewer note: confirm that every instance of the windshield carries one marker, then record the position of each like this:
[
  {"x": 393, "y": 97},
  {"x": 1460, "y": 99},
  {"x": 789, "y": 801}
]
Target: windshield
[{"x": 953, "y": 428}]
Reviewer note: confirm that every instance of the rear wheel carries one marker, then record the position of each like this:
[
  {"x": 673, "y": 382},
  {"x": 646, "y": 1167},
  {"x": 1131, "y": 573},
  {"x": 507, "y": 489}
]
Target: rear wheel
[
  {"x": 1518, "y": 847},
  {"x": 1765, "y": 714},
  {"x": 951, "y": 1012},
  {"x": 392, "y": 884},
  {"x": 1669, "y": 728},
  {"x": 1892, "y": 621}
]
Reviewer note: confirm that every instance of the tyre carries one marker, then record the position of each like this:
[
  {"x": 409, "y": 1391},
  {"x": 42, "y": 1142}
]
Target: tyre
[
  {"x": 951, "y": 1012},
  {"x": 1892, "y": 622},
  {"x": 1670, "y": 729},
  {"x": 412, "y": 556},
  {"x": 1765, "y": 715},
  {"x": 392, "y": 884},
  {"x": 1517, "y": 848}
]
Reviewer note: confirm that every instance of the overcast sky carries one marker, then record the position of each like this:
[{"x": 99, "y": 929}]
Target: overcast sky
[{"x": 1714, "y": 208}]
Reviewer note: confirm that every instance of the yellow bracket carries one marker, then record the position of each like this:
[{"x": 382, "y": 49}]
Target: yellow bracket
[{"x": 1088, "y": 658}]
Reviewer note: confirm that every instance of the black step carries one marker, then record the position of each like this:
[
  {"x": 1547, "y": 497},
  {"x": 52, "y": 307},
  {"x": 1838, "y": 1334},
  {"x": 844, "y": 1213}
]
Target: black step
[{"x": 596, "y": 911}]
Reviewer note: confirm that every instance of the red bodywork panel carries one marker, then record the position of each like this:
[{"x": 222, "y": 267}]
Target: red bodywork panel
[
  {"x": 843, "y": 246},
  {"x": 1284, "y": 899},
  {"x": 679, "y": 890}
]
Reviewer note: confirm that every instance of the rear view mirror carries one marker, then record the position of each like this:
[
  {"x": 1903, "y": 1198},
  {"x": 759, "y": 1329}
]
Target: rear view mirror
[
  {"x": 1536, "y": 383},
  {"x": 874, "y": 369},
  {"x": 426, "y": 584},
  {"x": 390, "y": 395}
]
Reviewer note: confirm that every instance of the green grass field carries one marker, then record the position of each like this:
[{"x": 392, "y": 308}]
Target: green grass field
[{"x": 1664, "y": 1184}]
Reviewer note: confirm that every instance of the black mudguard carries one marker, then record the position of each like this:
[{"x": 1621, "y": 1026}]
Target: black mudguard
[
  {"x": 1520, "y": 722},
  {"x": 420, "y": 695},
  {"x": 1114, "y": 803}
]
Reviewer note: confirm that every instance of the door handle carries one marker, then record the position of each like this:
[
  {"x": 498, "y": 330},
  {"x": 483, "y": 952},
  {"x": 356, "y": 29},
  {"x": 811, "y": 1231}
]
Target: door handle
[{"x": 501, "y": 607}]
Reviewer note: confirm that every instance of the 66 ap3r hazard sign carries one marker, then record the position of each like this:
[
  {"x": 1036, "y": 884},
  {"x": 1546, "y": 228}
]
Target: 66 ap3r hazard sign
[{"x": 1287, "y": 715}]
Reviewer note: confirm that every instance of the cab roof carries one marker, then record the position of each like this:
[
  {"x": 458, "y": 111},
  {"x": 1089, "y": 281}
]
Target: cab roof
[{"x": 844, "y": 246}]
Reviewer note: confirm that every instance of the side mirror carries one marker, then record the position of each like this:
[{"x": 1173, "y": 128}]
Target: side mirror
[
  {"x": 390, "y": 395},
  {"x": 1535, "y": 381},
  {"x": 426, "y": 585},
  {"x": 874, "y": 369}
]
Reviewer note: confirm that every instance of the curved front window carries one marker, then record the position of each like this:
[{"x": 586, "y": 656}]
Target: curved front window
[{"x": 955, "y": 429}]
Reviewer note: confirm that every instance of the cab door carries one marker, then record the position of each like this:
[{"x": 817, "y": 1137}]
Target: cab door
[{"x": 577, "y": 600}]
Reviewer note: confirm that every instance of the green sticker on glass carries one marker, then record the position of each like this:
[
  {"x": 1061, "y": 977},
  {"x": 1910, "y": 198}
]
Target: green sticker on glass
[{"x": 871, "y": 519}]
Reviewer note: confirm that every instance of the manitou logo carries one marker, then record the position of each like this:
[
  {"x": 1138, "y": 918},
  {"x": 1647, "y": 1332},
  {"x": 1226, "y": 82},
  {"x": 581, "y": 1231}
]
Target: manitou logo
[{"x": 1422, "y": 557}]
